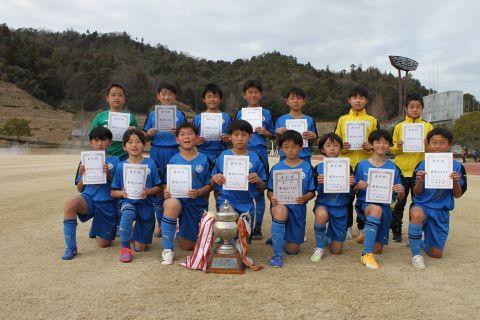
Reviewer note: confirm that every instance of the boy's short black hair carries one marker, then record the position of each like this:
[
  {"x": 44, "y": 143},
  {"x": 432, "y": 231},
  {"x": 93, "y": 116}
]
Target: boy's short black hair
[
  {"x": 184, "y": 125},
  {"x": 240, "y": 125},
  {"x": 296, "y": 91},
  {"x": 167, "y": 86},
  {"x": 100, "y": 133},
  {"x": 252, "y": 84},
  {"x": 375, "y": 135},
  {"x": 414, "y": 97},
  {"x": 115, "y": 85},
  {"x": 213, "y": 88},
  {"x": 131, "y": 132},
  {"x": 290, "y": 135},
  {"x": 331, "y": 136},
  {"x": 439, "y": 131},
  {"x": 358, "y": 91}
]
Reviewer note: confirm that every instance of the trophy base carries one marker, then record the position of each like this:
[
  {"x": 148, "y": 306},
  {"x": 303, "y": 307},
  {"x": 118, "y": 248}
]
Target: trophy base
[{"x": 225, "y": 263}]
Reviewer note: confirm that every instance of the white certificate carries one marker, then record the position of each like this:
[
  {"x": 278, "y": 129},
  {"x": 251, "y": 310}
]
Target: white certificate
[
  {"x": 211, "y": 126},
  {"x": 179, "y": 180},
  {"x": 336, "y": 173},
  {"x": 299, "y": 125},
  {"x": 165, "y": 118},
  {"x": 356, "y": 133},
  {"x": 253, "y": 116},
  {"x": 235, "y": 171},
  {"x": 380, "y": 185},
  {"x": 134, "y": 179},
  {"x": 93, "y": 162},
  {"x": 413, "y": 137},
  {"x": 118, "y": 123},
  {"x": 438, "y": 168},
  {"x": 287, "y": 185}
]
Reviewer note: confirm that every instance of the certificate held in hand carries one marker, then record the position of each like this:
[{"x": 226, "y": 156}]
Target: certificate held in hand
[
  {"x": 134, "y": 179},
  {"x": 336, "y": 173},
  {"x": 356, "y": 133},
  {"x": 413, "y": 137},
  {"x": 299, "y": 125},
  {"x": 118, "y": 123},
  {"x": 253, "y": 116},
  {"x": 235, "y": 171},
  {"x": 380, "y": 185},
  {"x": 179, "y": 180},
  {"x": 165, "y": 118},
  {"x": 287, "y": 185},
  {"x": 438, "y": 168},
  {"x": 211, "y": 126},
  {"x": 93, "y": 162}
]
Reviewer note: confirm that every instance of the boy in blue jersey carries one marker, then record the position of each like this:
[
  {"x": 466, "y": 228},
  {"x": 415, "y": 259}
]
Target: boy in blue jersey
[
  {"x": 330, "y": 207},
  {"x": 163, "y": 145},
  {"x": 378, "y": 216},
  {"x": 189, "y": 210},
  {"x": 288, "y": 220},
  {"x": 141, "y": 211},
  {"x": 212, "y": 97},
  {"x": 252, "y": 93},
  {"x": 430, "y": 212},
  {"x": 239, "y": 132},
  {"x": 295, "y": 100},
  {"x": 93, "y": 202}
]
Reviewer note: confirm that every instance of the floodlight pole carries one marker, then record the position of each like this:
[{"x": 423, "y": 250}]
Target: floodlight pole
[{"x": 405, "y": 64}]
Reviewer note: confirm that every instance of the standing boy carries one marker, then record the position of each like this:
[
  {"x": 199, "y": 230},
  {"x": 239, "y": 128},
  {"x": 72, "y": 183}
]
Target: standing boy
[
  {"x": 430, "y": 212},
  {"x": 252, "y": 93},
  {"x": 212, "y": 97},
  {"x": 94, "y": 201},
  {"x": 378, "y": 215},
  {"x": 141, "y": 211},
  {"x": 295, "y": 100},
  {"x": 116, "y": 99},
  {"x": 189, "y": 210},
  {"x": 407, "y": 161},
  {"x": 357, "y": 99},
  {"x": 289, "y": 220}
]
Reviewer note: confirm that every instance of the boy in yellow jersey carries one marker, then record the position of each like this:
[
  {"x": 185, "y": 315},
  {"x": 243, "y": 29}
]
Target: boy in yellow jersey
[
  {"x": 407, "y": 161},
  {"x": 358, "y": 99}
]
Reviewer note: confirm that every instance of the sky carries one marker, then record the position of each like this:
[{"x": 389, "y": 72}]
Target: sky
[{"x": 443, "y": 36}]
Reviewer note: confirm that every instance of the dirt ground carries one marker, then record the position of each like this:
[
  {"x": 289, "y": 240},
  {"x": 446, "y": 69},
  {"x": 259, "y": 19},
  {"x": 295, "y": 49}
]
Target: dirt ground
[{"x": 36, "y": 284}]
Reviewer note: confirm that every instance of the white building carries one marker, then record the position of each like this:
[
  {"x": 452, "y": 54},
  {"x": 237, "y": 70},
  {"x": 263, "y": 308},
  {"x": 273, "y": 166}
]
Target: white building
[{"x": 443, "y": 106}]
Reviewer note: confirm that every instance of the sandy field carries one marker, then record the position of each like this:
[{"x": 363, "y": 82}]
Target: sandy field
[{"x": 36, "y": 284}]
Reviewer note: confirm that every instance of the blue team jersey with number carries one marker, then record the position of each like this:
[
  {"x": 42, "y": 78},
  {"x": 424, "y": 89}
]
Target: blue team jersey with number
[
  {"x": 442, "y": 199},
  {"x": 330, "y": 199},
  {"x": 153, "y": 179},
  {"x": 100, "y": 192},
  {"x": 258, "y": 140},
  {"x": 163, "y": 138},
  {"x": 235, "y": 196},
  {"x": 212, "y": 145},
  {"x": 282, "y": 123},
  {"x": 201, "y": 175},
  {"x": 361, "y": 173}
]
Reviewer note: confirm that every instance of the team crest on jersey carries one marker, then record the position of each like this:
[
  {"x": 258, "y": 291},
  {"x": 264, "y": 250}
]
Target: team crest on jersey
[
  {"x": 250, "y": 165},
  {"x": 263, "y": 118},
  {"x": 223, "y": 121},
  {"x": 148, "y": 171},
  {"x": 367, "y": 122},
  {"x": 110, "y": 166},
  {"x": 199, "y": 168},
  {"x": 303, "y": 175}
]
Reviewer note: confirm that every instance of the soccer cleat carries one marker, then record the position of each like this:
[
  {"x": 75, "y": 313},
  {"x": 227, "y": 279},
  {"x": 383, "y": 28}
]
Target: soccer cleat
[
  {"x": 318, "y": 254},
  {"x": 126, "y": 255},
  {"x": 417, "y": 262},
  {"x": 360, "y": 238},
  {"x": 276, "y": 261},
  {"x": 397, "y": 237},
  {"x": 158, "y": 234},
  {"x": 70, "y": 253},
  {"x": 167, "y": 257},
  {"x": 257, "y": 234},
  {"x": 269, "y": 241},
  {"x": 369, "y": 261},
  {"x": 349, "y": 233}
]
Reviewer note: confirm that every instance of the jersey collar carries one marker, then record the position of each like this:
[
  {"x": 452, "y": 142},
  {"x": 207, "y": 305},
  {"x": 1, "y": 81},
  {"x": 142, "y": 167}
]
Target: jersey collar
[{"x": 357, "y": 113}]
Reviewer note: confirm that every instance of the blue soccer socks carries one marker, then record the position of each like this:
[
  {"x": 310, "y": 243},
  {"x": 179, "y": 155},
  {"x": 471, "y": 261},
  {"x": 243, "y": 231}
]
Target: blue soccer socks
[
  {"x": 168, "y": 232},
  {"x": 415, "y": 238},
  {"x": 278, "y": 236},
  {"x": 126, "y": 224},
  {"x": 70, "y": 235},
  {"x": 320, "y": 232},
  {"x": 371, "y": 228}
]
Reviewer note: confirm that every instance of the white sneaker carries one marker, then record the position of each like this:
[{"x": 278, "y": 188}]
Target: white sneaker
[
  {"x": 167, "y": 256},
  {"x": 417, "y": 262},
  {"x": 349, "y": 233},
  {"x": 318, "y": 254}
]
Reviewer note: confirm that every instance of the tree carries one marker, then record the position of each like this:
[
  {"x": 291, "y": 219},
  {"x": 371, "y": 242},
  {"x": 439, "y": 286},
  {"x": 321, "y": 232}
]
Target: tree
[
  {"x": 17, "y": 127},
  {"x": 465, "y": 130}
]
